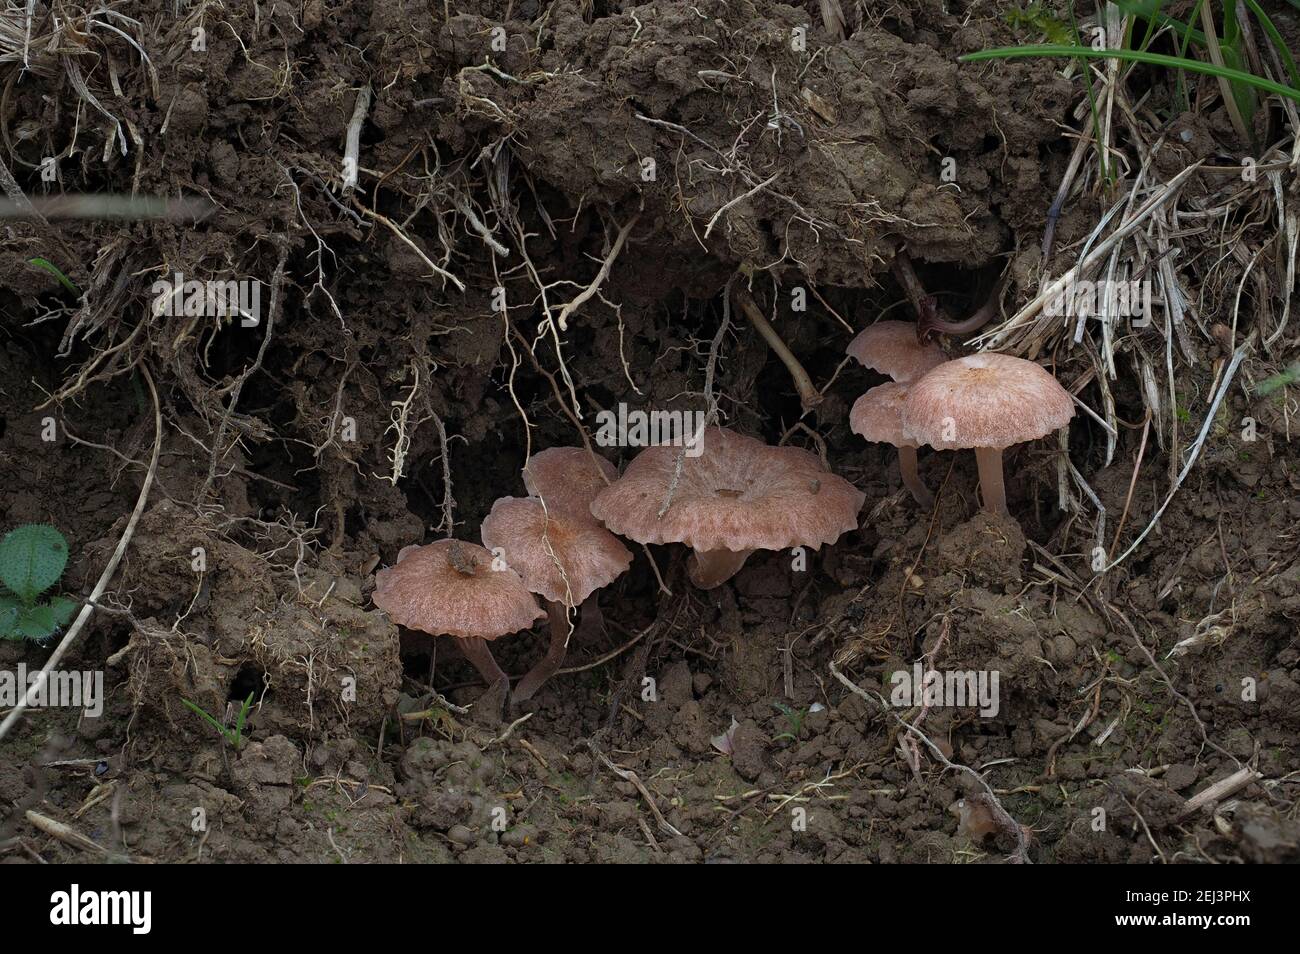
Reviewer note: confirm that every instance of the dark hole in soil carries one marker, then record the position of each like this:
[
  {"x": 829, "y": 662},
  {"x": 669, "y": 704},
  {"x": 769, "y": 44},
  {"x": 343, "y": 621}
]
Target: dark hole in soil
[
  {"x": 416, "y": 665},
  {"x": 960, "y": 291},
  {"x": 248, "y": 679},
  {"x": 116, "y": 639}
]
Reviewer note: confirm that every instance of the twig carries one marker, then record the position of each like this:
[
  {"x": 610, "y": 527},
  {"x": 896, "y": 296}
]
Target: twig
[
  {"x": 1003, "y": 817},
  {"x": 809, "y": 396},
  {"x": 352, "y": 151},
  {"x": 628, "y": 775},
  {"x": 612, "y": 654},
  {"x": 1195, "y": 451},
  {"x": 1132, "y": 484},
  {"x": 38, "y": 684},
  {"x": 1219, "y": 790},
  {"x": 64, "y": 833}
]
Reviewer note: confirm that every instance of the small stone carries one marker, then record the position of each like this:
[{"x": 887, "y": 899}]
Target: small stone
[
  {"x": 462, "y": 835},
  {"x": 1181, "y": 776}
]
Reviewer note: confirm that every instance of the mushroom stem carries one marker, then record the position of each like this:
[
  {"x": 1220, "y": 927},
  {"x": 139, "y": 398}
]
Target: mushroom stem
[
  {"x": 989, "y": 460},
  {"x": 477, "y": 652},
  {"x": 480, "y": 656},
  {"x": 591, "y": 621},
  {"x": 549, "y": 664},
  {"x": 912, "y": 478},
  {"x": 710, "y": 568}
]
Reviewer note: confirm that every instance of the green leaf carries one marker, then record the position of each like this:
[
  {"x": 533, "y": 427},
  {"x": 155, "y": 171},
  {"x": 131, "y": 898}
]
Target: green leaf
[
  {"x": 10, "y": 610},
  {"x": 63, "y": 608},
  {"x": 36, "y": 622},
  {"x": 1134, "y": 56},
  {"x": 32, "y": 559}
]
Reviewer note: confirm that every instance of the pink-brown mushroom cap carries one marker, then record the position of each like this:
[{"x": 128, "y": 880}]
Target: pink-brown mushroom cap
[
  {"x": 560, "y": 555},
  {"x": 985, "y": 400},
  {"x": 878, "y": 415},
  {"x": 739, "y": 494},
  {"x": 568, "y": 478},
  {"x": 424, "y": 591},
  {"x": 891, "y": 348}
]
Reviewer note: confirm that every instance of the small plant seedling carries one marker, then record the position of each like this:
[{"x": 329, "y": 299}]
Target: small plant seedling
[
  {"x": 1284, "y": 378},
  {"x": 793, "y": 716},
  {"x": 32, "y": 558},
  {"x": 64, "y": 280},
  {"x": 234, "y": 735}
]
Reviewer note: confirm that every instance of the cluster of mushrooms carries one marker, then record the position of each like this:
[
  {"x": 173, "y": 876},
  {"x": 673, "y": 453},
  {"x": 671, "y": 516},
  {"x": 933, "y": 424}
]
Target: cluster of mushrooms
[
  {"x": 984, "y": 402},
  {"x": 561, "y": 542}
]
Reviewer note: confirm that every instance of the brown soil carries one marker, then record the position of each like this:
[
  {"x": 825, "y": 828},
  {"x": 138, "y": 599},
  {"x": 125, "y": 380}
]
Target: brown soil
[{"x": 548, "y": 141}]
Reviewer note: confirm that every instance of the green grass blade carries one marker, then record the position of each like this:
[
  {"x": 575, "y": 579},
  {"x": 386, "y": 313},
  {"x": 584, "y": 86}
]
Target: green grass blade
[
  {"x": 54, "y": 270},
  {"x": 1150, "y": 11},
  {"x": 1240, "y": 101},
  {"x": 1180, "y": 88},
  {"x": 240, "y": 719},
  {"x": 1133, "y": 56},
  {"x": 1092, "y": 101},
  {"x": 199, "y": 711},
  {"x": 1279, "y": 44},
  {"x": 1152, "y": 20},
  {"x": 1231, "y": 28}
]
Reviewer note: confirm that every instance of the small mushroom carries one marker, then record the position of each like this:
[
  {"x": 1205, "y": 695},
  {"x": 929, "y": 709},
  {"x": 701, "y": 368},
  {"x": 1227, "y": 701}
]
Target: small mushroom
[
  {"x": 563, "y": 557},
  {"x": 448, "y": 588},
  {"x": 891, "y": 348},
  {"x": 568, "y": 478},
  {"x": 739, "y": 495},
  {"x": 878, "y": 416},
  {"x": 988, "y": 402}
]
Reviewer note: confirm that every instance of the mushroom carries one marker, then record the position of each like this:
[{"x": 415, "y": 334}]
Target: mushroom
[
  {"x": 739, "y": 495},
  {"x": 878, "y": 416},
  {"x": 562, "y": 556},
  {"x": 448, "y": 588},
  {"x": 568, "y": 478},
  {"x": 891, "y": 348},
  {"x": 988, "y": 402}
]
